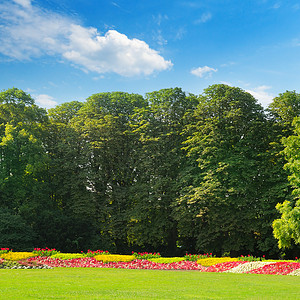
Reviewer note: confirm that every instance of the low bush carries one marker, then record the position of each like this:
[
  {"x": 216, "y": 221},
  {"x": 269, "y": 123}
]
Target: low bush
[
  {"x": 4, "y": 250},
  {"x": 145, "y": 255},
  {"x": 195, "y": 257},
  {"x": 45, "y": 251},
  {"x": 91, "y": 253},
  {"x": 251, "y": 258}
]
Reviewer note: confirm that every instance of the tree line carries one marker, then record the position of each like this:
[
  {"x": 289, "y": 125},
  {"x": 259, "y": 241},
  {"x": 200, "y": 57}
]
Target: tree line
[{"x": 169, "y": 171}]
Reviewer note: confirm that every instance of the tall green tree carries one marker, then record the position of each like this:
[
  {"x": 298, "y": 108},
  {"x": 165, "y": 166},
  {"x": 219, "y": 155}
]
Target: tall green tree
[
  {"x": 226, "y": 206},
  {"x": 161, "y": 161},
  {"x": 287, "y": 227},
  {"x": 283, "y": 110},
  {"x": 23, "y": 158},
  {"x": 73, "y": 213},
  {"x": 104, "y": 124}
]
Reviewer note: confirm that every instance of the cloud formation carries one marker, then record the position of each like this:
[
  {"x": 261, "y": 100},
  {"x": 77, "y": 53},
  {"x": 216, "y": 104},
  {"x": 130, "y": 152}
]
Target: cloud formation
[
  {"x": 260, "y": 93},
  {"x": 204, "y": 18},
  {"x": 45, "y": 101},
  {"x": 201, "y": 71},
  {"x": 28, "y": 32}
]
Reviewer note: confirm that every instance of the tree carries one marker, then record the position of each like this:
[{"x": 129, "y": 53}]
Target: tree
[
  {"x": 22, "y": 155},
  {"x": 287, "y": 227},
  {"x": 15, "y": 233},
  {"x": 161, "y": 161},
  {"x": 226, "y": 206},
  {"x": 23, "y": 163},
  {"x": 72, "y": 212},
  {"x": 285, "y": 107},
  {"x": 104, "y": 123}
]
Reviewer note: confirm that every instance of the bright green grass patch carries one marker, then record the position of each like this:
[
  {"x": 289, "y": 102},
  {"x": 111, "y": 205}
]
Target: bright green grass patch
[{"x": 79, "y": 283}]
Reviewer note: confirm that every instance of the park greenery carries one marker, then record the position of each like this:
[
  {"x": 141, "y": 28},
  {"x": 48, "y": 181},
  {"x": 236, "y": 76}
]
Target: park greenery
[{"x": 169, "y": 171}]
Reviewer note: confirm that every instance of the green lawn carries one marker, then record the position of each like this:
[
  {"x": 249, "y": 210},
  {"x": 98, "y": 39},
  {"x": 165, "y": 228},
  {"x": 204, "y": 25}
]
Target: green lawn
[{"x": 78, "y": 283}]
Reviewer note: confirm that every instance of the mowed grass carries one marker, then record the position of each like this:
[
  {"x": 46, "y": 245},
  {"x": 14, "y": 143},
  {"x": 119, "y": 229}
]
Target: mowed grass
[{"x": 79, "y": 283}]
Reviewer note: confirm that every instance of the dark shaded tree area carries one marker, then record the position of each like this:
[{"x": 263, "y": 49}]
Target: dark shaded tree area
[{"x": 169, "y": 172}]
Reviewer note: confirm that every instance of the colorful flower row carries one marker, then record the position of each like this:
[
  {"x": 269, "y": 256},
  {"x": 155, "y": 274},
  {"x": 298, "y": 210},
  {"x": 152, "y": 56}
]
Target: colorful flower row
[
  {"x": 279, "y": 268},
  {"x": 91, "y": 262}
]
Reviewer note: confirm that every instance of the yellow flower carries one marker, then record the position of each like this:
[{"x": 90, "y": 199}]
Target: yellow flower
[
  {"x": 16, "y": 255},
  {"x": 114, "y": 258},
  {"x": 207, "y": 262}
]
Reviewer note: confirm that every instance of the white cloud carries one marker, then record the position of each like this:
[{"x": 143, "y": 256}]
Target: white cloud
[
  {"x": 24, "y": 3},
  {"x": 276, "y": 6},
  {"x": 201, "y": 71},
  {"x": 29, "y": 32},
  {"x": 45, "y": 101},
  {"x": 231, "y": 63},
  {"x": 204, "y": 18},
  {"x": 227, "y": 83},
  {"x": 260, "y": 93}
]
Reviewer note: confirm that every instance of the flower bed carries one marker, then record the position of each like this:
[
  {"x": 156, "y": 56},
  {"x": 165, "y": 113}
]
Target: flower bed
[
  {"x": 91, "y": 262},
  {"x": 223, "y": 267},
  {"x": 249, "y": 266},
  {"x": 51, "y": 258},
  {"x": 278, "y": 268}
]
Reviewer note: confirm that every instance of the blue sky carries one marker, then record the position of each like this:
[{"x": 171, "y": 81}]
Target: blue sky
[{"x": 65, "y": 50}]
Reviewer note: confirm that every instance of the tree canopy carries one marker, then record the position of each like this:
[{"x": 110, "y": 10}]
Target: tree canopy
[{"x": 171, "y": 172}]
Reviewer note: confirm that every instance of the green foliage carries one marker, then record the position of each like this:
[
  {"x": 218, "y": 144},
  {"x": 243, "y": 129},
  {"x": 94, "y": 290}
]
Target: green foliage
[
  {"x": 159, "y": 167},
  {"x": 285, "y": 107},
  {"x": 145, "y": 255},
  {"x": 251, "y": 258},
  {"x": 195, "y": 257},
  {"x": 227, "y": 202},
  {"x": 14, "y": 232},
  {"x": 169, "y": 172},
  {"x": 287, "y": 227},
  {"x": 91, "y": 253},
  {"x": 45, "y": 252}
]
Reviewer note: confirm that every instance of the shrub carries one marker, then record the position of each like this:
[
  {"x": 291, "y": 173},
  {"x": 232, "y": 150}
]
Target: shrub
[
  {"x": 4, "y": 250},
  {"x": 251, "y": 258},
  {"x": 91, "y": 253},
  {"x": 45, "y": 252},
  {"x": 195, "y": 257},
  {"x": 145, "y": 255}
]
